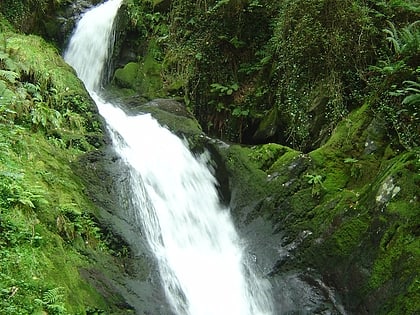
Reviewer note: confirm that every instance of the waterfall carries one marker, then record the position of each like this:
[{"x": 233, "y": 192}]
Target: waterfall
[{"x": 202, "y": 261}]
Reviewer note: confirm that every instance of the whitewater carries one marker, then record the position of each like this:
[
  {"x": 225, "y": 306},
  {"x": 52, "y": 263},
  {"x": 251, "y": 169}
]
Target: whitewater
[{"x": 204, "y": 268}]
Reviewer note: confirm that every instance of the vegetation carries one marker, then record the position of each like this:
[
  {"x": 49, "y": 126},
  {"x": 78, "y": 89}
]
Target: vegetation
[
  {"x": 284, "y": 71},
  {"x": 359, "y": 211},
  {"x": 47, "y": 224},
  {"x": 338, "y": 80}
]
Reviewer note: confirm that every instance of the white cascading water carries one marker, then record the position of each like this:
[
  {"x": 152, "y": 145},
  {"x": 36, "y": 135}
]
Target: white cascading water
[{"x": 200, "y": 256}]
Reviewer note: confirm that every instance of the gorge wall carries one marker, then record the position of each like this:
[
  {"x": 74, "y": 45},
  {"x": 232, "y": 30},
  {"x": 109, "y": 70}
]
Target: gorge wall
[{"x": 317, "y": 105}]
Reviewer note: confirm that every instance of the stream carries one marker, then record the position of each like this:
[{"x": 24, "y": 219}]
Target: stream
[{"x": 203, "y": 263}]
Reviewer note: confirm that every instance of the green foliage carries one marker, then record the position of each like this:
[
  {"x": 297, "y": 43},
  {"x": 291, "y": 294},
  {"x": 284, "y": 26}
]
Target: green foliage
[
  {"x": 9, "y": 76},
  {"x": 413, "y": 99},
  {"x": 35, "y": 93},
  {"x": 313, "y": 48},
  {"x": 211, "y": 38},
  {"x": 73, "y": 224},
  {"x": 35, "y": 182},
  {"x": 405, "y": 42},
  {"x": 306, "y": 60},
  {"x": 317, "y": 183},
  {"x": 355, "y": 167},
  {"x": 222, "y": 90},
  {"x": 46, "y": 117},
  {"x": 396, "y": 83},
  {"x": 264, "y": 156},
  {"x": 52, "y": 301},
  {"x": 29, "y": 15}
]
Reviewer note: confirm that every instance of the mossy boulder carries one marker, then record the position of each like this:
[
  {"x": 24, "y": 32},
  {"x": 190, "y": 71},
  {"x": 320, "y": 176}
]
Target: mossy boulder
[
  {"x": 143, "y": 77},
  {"x": 175, "y": 116},
  {"x": 126, "y": 77},
  {"x": 346, "y": 210}
]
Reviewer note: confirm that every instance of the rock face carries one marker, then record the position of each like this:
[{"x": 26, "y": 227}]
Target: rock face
[
  {"x": 265, "y": 248},
  {"x": 68, "y": 16},
  {"x": 131, "y": 282},
  {"x": 340, "y": 222}
]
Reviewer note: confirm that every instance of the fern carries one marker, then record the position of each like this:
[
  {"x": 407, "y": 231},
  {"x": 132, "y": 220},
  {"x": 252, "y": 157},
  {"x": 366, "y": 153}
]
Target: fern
[
  {"x": 10, "y": 76},
  {"x": 53, "y": 296},
  {"x": 393, "y": 37},
  {"x": 414, "y": 98},
  {"x": 46, "y": 117},
  {"x": 52, "y": 300},
  {"x": 74, "y": 120},
  {"x": 405, "y": 42},
  {"x": 6, "y": 98}
]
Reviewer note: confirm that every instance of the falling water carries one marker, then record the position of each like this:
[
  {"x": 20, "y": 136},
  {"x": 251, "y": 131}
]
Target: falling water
[{"x": 200, "y": 256}]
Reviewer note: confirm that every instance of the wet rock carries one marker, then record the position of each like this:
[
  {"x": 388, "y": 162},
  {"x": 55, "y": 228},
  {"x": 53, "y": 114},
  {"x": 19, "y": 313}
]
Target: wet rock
[
  {"x": 350, "y": 237},
  {"x": 130, "y": 282},
  {"x": 376, "y": 135},
  {"x": 66, "y": 19},
  {"x": 176, "y": 118},
  {"x": 170, "y": 106}
]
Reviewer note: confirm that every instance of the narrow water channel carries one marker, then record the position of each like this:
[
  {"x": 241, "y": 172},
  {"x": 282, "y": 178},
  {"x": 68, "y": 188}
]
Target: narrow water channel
[{"x": 201, "y": 258}]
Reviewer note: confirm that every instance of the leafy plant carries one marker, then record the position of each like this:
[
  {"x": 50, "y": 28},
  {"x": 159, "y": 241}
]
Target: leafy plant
[
  {"x": 413, "y": 99},
  {"x": 396, "y": 83},
  {"x": 404, "y": 42},
  {"x": 52, "y": 301},
  {"x": 9, "y": 76},
  {"x": 223, "y": 90},
  {"x": 355, "y": 168},
  {"x": 48, "y": 118},
  {"x": 317, "y": 183}
]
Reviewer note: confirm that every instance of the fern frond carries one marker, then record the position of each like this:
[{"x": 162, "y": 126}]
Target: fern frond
[
  {"x": 413, "y": 99},
  {"x": 412, "y": 84},
  {"x": 405, "y": 41},
  {"x": 11, "y": 65},
  {"x": 10, "y": 76},
  {"x": 53, "y": 296},
  {"x": 3, "y": 55}
]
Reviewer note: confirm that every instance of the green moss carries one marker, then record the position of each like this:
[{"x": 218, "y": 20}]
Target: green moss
[
  {"x": 242, "y": 169},
  {"x": 47, "y": 95},
  {"x": 126, "y": 77},
  {"x": 35, "y": 239},
  {"x": 150, "y": 81},
  {"x": 397, "y": 257},
  {"x": 45, "y": 62},
  {"x": 144, "y": 76},
  {"x": 285, "y": 159},
  {"x": 355, "y": 234},
  {"x": 341, "y": 161},
  {"x": 349, "y": 235},
  {"x": 396, "y": 263},
  {"x": 177, "y": 123},
  {"x": 46, "y": 221},
  {"x": 268, "y": 125},
  {"x": 266, "y": 155},
  {"x": 303, "y": 202}
]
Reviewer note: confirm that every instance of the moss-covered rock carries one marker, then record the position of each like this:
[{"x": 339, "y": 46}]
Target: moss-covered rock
[
  {"x": 126, "y": 77},
  {"x": 348, "y": 212},
  {"x": 143, "y": 77},
  {"x": 49, "y": 226}
]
